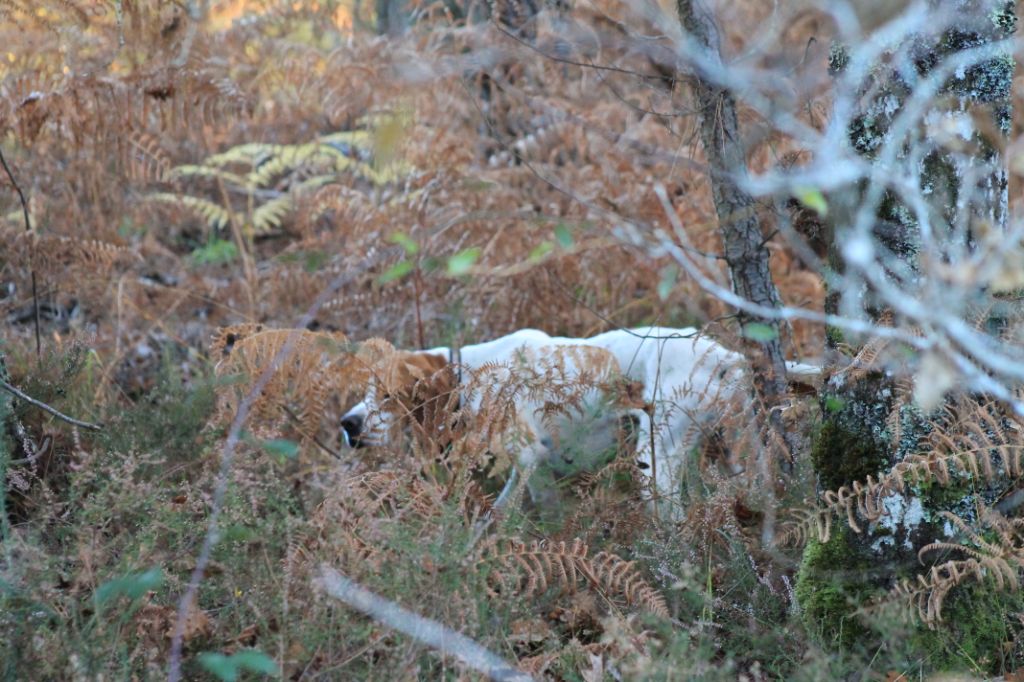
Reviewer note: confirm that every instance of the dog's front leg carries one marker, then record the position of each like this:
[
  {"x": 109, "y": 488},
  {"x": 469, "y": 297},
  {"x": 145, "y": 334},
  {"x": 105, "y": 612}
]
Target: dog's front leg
[
  {"x": 532, "y": 453},
  {"x": 506, "y": 493},
  {"x": 645, "y": 450}
]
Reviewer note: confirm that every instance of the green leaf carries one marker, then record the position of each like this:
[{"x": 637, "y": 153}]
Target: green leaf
[
  {"x": 763, "y": 333},
  {"x": 397, "y": 271},
  {"x": 667, "y": 281},
  {"x": 217, "y": 251},
  {"x": 237, "y": 532},
  {"x": 834, "y": 404},
  {"x": 132, "y": 586},
  {"x": 256, "y": 661},
  {"x": 541, "y": 250},
  {"x": 563, "y": 235},
  {"x": 281, "y": 447},
  {"x": 226, "y": 668},
  {"x": 460, "y": 263},
  {"x": 406, "y": 242},
  {"x": 314, "y": 260},
  {"x": 220, "y": 665},
  {"x": 812, "y": 198}
]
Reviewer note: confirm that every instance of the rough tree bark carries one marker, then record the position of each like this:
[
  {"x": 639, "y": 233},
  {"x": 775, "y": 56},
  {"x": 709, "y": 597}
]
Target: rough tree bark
[
  {"x": 502, "y": 124},
  {"x": 743, "y": 237},
  {"x": 392, "y": 17},
  {"x": 865, "y": 429}
]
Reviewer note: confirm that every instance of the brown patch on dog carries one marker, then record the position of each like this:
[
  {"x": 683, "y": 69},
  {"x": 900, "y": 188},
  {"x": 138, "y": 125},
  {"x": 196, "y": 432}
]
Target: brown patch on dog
[{"x": 417, "y": 384}]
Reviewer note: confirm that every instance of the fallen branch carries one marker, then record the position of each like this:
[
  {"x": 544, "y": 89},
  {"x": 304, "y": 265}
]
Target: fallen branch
[
  {"x": 423, "y": 630},
  {"x": 52, "y": 410}
]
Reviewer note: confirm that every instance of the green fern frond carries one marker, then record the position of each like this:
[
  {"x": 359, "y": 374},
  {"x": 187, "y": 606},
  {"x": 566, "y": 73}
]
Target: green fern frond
[
  {"x": 246, "y": 154},
  {"x": 386, "y": 174},
  {"x": 356, "y": 138},
  {"x": 269, "y": 215},
  {"x": 290, "y": 158}
]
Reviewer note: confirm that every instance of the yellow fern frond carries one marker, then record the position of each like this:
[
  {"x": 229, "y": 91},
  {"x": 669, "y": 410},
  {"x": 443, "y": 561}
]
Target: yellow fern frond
[{"x": 215, "y": 215}]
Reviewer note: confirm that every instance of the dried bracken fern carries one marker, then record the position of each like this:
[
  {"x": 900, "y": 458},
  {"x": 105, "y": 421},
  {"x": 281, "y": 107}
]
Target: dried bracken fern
[
  {"x": 974, "y": 438},
  {"x": 530, "y": 569},
  {"x": 999, "y": 558},
  {"x": 354, "y": 527},
  {"x": 285, "y": 142},
  {"x": 85, "y": 265},
  {"x": 290, "y": 141},
  {"x": 312, "y": 369},
  {"x": 611, "y": 505},
  {"x": 271, "y": 180}
]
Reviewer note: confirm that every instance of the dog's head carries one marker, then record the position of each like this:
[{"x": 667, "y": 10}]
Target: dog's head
[{"x": 403, "y": 386}]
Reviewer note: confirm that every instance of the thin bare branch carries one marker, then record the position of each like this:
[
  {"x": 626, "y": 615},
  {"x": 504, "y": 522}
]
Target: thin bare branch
[
  {"x": 52, "y": 410},
  {"x": 28, "y": 228},
  {"x": 231, "y": 444}
]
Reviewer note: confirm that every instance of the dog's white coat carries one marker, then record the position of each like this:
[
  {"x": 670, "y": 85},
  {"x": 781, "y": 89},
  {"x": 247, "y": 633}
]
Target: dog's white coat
[
  {"x": 537, "y": 440},
  {"x": 681, "y": 372}
]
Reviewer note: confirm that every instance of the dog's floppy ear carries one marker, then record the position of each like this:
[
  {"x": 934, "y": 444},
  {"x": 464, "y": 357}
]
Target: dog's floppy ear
[
  {"x": 421, "y": 380},
  {"x": 435, "y": 379},
  {"x": 436, "y": 397},
  {"x": 429, "y": 362}
]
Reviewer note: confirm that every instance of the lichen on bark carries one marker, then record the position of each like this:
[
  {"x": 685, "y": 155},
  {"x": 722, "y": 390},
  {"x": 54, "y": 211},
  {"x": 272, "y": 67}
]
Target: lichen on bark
[{"x": 855, "y": 438}]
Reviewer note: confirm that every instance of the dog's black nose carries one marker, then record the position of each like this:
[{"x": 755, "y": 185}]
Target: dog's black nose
[{"x": 353, "y": 426}]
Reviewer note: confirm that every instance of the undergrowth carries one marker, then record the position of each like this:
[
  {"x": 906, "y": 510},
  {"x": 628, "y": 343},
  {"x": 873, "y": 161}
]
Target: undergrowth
[
  {"x": 188, "y": 177},
  {"x": 93, "y": 578}
]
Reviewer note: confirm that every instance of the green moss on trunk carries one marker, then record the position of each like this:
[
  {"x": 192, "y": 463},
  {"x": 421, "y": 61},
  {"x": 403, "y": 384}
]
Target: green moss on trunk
[
  {"x": 851, "y": 443},
  {"x": 830, "y": 586}
]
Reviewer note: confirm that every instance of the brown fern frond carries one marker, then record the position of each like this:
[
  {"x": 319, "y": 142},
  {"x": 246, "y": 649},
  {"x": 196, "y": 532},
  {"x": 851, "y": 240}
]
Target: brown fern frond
[
  {"x": 147, "y": 160},
  {"x": 976, "y": 437},
  {"x": 1001, "y": 561},
  {"x": 876, "y": 353},
  {"x": 63, "y": 254},
  {"x": 317, "y": 369},
  {"x": 619, "y": 576},
  {"x": 532, "y": 569}
]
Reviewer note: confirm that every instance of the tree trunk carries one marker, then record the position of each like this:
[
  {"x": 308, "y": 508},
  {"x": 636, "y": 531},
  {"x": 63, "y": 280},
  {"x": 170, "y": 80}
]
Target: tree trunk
[
  {"x": 744, "y": 240},
  {"x": 391, "y": 17},
  {"x": 869, "y": 424}
]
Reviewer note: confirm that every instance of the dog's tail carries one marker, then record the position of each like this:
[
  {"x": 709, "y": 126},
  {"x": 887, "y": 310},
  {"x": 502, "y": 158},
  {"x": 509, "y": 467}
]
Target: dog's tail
[
  {"x": 800, "y": 370},
  {"x": 804, "y": 379}
]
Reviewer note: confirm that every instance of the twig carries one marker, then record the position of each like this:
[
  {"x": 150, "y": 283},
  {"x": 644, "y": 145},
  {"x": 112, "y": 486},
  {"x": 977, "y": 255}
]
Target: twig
[
  {"x": 423, "y": 630},
  {"x": 28, "y": 229},
  {"x": 313, "y": 437},
  {"x": 43, "y": 406}
]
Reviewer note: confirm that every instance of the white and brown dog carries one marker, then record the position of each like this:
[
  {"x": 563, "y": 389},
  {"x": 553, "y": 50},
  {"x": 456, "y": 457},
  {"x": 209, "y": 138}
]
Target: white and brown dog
[
  {"x": 682, "y": 373},
  {"x": 542, "y": 372}
]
